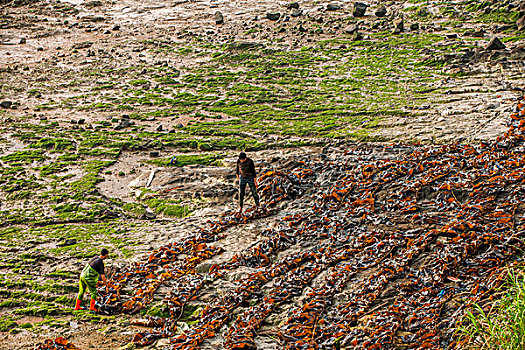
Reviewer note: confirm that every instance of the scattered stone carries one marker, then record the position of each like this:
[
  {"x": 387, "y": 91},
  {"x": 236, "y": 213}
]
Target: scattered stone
[
  {"x": 359, "y": 9},
  {"x": 40, "y": 49},
  {"x": 352, "y": 29},
  {"x": 296, "y": 13},
  {"x": 451, "y": 36},
  {"x": 381, "y": 12},
  {"x": 82, "y": 45},
  {"x": 293, "y": 5},
  {"x": 94, "y": 3},
  {"x": 148, "y": 216},
  {"x": 159, "y": 128},
  {"x": 116, "y": 27},
  {"x": 22, "y": 41},
  {"x": 495, "y": 44},
  {"x": 357, "y": 36},
  {"x": 179, "y": 126},
  {"x": 414, "y": 26},
  {"x": 273, "y": 16},
  {"x": 521, "y": 23},
  {"x": 154, "y": 154},
  {"x": 6, "y": 104},
  {"x": 399, "y": 25},
  {"x": 333, "y": 7},
  {"x": 218, "y": 17},
  {"x": 81, "y": 121},
  {"x": 68, "y": 242}
]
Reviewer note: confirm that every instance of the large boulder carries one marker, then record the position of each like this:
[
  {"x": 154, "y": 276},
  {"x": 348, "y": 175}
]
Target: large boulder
[
  {"x": 359, "y": 9},
  {"x": 273, "y": 16},
  {"x": 381, "y": 12},
  {"x": 495, "y": 44},
  {"x": 218, "y": 17}
]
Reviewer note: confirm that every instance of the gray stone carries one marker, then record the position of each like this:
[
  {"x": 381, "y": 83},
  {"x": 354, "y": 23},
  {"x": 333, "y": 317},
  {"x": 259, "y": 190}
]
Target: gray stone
[
  {"x": 357, "y": 36},
  {"x": 293, "y": 5},
  {"x": 154, "y": 154},
  {"x": 521, "y": 23},
  {"x": 6, "y": 104},
  {"x": 148, "y": 216},
  {"x": 451, "y": 36},
  {"x": 359, "y": 9},
  {"x": 218, "y": 17},
  {"x": 22, "y": 41},
  {"x": 399, "y": 25},
  {"x": 159, "y": 128},
  {"x": 68, "y": 242},
  {"x": 333, "y": 7},
  {"x": 352, "y": 29},
  {"x": 495, "y": 44},
  {"x": 116, "y": 27},
  {"x": 414, "y": 26},
  {"x": 381, "y": 12},
  {"x": 296, "y": 13},
  {"x": 273, "y": 16},
  {"x": 179, "y": 126}
]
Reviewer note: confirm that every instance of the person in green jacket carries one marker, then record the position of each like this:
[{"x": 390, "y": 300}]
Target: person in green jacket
[{"x": 89, "y": 277}]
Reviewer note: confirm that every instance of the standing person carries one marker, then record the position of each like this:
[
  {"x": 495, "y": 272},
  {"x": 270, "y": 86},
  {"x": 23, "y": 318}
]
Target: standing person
[
  {"x": 89, "y": 277},
  {"x": 246, "y": 175}
]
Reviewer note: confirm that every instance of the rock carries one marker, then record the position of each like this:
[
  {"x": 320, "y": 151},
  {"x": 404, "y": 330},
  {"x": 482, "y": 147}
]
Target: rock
[
  {"x": 116, "y": 27},
  {"x": 273, "y": 16},
  {"x": 358, "y": 36},
  {"x": 6, "y": 104},
  {"x": 296, "y": 13},
  {"x": 333, "y": 7},
  {"x": 82, "y": 45},
  {"x": 159, "y": 128},
  {"x": 179, "y": 126},
  {"x": 218, "y": 17},
  {"x": 451, "y": 36},
  {"x": 399, "y": 25},
  {"x": 414, "y": 26},
  {"x": 22, "y": 41},
  {"x": 518, "y": 53},
  {"x": 293, "y": 5},
  {"x": 148, "y": 216},
  {"x": 68, "y": 242},
  {"x": 495, "y": 44},
  {"x": 521, "y": 23},
  {"x": 154, "y": 154},
  {"x": 352, "y": 29},
  {"x": 359, "y": 9},
  {"x": 381, "y": 12}
]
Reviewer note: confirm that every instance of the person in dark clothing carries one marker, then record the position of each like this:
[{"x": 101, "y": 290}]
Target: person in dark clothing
[
  {"x": 245, "y": 171},
  {"x": 89, "y": 277}
]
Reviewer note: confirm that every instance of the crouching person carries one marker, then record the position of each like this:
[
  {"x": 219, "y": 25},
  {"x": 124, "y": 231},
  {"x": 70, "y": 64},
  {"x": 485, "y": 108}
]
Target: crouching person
[{"x": 89, "y": 277}]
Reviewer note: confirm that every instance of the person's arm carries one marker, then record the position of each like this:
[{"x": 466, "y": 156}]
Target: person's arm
[
  {"x": 237, "y": 170},
  {"x": 105, "y": 281}
]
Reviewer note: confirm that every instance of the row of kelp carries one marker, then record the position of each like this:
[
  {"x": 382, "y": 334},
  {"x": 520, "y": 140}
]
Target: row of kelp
[{"x": 405, "y": 244}]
